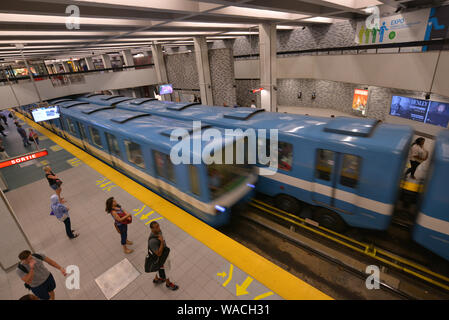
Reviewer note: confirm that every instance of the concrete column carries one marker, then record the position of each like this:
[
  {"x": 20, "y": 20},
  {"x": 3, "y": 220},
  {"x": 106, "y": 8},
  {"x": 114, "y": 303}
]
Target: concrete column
[
  {"x": 128, "y": 59},
  {"x": 106, "y": 61},
  {"x": 202, "y": 63},
  {"x": 89, "y": 63},
  {"x": 65, "y": 65},
  {"x": 268, "y": 76},
  {"x": 161, "y": 69}
]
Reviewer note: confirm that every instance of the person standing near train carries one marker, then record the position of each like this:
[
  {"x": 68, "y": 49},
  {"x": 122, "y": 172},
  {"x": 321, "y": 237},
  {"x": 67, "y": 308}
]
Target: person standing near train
[
  {"x": 417, "y": 155},
  {"x": 121, "y": 221}
]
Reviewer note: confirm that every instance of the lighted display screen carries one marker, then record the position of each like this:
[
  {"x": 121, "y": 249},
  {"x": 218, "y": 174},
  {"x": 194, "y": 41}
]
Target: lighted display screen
[
  {"x": 44, "y": 114},
  {"x": 165, "y": 89}
]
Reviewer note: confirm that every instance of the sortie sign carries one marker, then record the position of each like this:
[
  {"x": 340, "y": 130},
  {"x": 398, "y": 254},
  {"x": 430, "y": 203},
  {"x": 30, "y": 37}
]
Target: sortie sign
[{"x": 24, "y": 158}]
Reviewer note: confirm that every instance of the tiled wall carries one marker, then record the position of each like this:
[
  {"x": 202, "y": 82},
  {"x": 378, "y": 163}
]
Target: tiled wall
[
  {"x": 338, "y": 96},
  {"x": 221, "y": 63},
  {"x": 183, "y": 74},
  {"x": 244, "y": 96}
]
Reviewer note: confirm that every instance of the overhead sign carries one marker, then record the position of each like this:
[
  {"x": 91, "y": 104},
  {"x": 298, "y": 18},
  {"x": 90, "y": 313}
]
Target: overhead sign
[
  {"x": 24, "y": 158},
  {"x": 404, "y": 27},
  {"x": 360, "y": 100}
]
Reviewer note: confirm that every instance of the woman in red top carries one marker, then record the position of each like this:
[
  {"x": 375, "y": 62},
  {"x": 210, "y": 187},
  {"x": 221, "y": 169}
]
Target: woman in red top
[{"x": 121, "y": 221}]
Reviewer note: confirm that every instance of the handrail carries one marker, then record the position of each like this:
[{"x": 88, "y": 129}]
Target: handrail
[
  {"x": 362, "y": 47},
  {"x": 14, "y": 78}
]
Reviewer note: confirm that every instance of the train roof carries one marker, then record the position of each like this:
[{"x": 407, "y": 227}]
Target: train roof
[
  {"x": 146, "y": 128},
  {"x": 359, "y": 132}
]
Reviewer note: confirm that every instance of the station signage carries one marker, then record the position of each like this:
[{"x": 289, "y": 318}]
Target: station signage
[{"x": 23, "y": 158}]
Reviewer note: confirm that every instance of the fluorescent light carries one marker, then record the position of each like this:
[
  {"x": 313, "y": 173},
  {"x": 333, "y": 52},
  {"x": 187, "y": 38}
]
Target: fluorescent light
[
  {"x": 208, "y": 25},
  {"x": 282, "y": 27},
  {"x": 259, "y": 13},
  {"x": 174, "y": 33},
  {"x": 240, "y": 32},
  {"x": 355, "y": 4},
  {"x": 57, "y": 33},
  {"x": 323, "y": 20},
  {"x": 32, "y": 18}
]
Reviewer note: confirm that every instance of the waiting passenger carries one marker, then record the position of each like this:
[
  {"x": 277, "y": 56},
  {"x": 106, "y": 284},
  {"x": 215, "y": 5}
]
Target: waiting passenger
[
  {"x": 23, "y": 134},
  {"x": 33, "y": 136},
  {"x": 157, "y": 245},
  {"x": 54, "y": 182},
  {"x": 417, "y": 155},
  {"x": 253, "y": 104},
  {"x": 37, "y": 278},
  {"x": 121, "y": 221},
  {"x": 61, "y": 212}
]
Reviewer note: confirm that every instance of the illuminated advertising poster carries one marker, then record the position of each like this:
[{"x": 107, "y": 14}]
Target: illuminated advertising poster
[
  {"x": 360, "y": 100},
  {"x": 409, "y": 108}
]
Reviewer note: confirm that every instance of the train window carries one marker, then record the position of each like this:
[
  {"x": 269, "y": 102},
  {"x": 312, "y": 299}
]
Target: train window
[
  {"x": 113, "y": 144},
  {"x": 134, "y": 153},
  {"x": 324, "y": 164},
  {"x": 349, "y": 175},
  {"x": 194, "y": 180},
  {"x": 285, "y": 154},
  {"x": 95, "y": 135},
  {"x": 164, "y": 166},
  {"x": 71, "y": 126}
]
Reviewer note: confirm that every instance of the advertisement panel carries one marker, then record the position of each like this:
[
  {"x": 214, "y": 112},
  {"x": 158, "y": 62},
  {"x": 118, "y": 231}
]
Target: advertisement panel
[{"x": 360, "y": 100}]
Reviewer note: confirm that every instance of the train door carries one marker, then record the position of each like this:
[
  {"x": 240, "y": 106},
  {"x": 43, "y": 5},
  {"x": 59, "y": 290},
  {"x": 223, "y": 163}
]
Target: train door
[
  {"x": 83, "y": 135},
  {"x": 336, "y": 180},
  {"x": 114, "y": 149}
]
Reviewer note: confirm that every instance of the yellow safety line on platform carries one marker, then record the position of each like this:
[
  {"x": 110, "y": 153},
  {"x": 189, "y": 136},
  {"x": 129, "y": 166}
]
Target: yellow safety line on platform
[{"x": 273, "y": 277}]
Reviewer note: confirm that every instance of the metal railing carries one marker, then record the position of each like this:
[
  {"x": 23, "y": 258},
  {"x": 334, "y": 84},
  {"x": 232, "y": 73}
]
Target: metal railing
[
  {"x": 61, "y": 75},
  {"x": 441, "y": 43}
]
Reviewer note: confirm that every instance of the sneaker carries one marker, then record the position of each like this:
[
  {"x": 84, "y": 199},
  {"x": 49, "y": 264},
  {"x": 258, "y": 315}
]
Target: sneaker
[
  {"x": 129, "y": 242},
  {"x": 158, "y": 280},
  {"x": 172, "y": 286},
  {"x": 76, "y": 235}
]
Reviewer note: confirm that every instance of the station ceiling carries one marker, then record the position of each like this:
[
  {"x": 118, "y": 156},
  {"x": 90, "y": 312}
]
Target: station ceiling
[{"x": 48, "y": 29}]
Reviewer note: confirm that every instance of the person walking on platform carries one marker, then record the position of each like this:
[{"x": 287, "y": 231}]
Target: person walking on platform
[
  {"x": 54, "y": 182},
  {"x": 23, "y": 134},
  {"x": 36, "y": 276},
  {"x": 61, "y": 212},
  {"x": 417, "y": 155},
  {"x": 157, "y": 246},
  {"x": 121, "y": 221}
]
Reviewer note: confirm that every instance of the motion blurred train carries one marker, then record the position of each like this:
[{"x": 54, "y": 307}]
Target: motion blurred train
[
  {"x": 138, "y": 144},
  {"x": 348, "y": 170}
]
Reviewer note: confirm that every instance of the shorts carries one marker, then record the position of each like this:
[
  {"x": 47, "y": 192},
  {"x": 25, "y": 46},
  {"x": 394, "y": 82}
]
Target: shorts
[
  {"x": 54, "y": 186},
  {"x": 48, "y": 286}
]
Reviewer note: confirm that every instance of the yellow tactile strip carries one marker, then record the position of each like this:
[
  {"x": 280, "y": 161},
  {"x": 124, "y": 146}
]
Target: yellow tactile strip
[{"x": 273, "y": 277}]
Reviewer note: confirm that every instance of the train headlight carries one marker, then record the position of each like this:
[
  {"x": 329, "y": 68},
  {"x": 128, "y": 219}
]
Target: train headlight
[{"x": 220, "y": 208}]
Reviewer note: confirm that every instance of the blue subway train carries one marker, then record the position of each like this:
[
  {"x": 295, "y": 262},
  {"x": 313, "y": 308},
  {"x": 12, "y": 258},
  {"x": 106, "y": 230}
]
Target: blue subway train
[
  {"x": 348, "y": 169},
  {"x": 138, "y": 144}
]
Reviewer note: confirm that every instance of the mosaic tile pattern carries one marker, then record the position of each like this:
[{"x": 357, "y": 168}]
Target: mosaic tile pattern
[{"x": 221, "y": 65}]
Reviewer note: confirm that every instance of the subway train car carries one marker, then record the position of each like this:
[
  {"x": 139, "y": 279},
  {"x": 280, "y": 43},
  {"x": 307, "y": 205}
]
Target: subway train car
[
  {"x": 349, "y": 168},
  {"x": 432, "y": 225},
  {"x": 138, "y": 144}
]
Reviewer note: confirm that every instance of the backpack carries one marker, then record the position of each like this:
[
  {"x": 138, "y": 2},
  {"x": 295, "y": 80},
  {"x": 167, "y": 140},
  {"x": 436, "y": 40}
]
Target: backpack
[{"x": 23, "y": 269}]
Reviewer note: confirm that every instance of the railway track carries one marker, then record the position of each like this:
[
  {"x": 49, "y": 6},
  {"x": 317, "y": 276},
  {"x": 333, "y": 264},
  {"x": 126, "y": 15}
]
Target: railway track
[{"x": 370, "y": 253}]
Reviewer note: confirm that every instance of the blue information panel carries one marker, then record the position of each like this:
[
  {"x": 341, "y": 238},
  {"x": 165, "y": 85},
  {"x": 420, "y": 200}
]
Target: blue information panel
[{"x": 426, "y": 111}]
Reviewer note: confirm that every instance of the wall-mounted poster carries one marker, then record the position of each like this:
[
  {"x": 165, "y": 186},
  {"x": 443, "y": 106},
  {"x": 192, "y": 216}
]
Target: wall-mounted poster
[
  {"x": 426, "y": 111},
  {"x": 360, "y": 100}
]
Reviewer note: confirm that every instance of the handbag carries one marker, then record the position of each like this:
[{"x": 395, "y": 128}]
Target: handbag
[
  {"x": 127, "y": 221},
  {"x": 58, "y": 182},
  {"x": 153, "y": 263}
]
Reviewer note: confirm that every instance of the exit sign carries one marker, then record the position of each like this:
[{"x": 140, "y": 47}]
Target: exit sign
[{"x": 23, "y": 158}]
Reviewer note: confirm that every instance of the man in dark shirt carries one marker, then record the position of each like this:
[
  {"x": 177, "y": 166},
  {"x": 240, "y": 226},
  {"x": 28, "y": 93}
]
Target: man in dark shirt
[
  {"x": 156, "y": 244},
  {"x": 23, "y": 134},
  {"x": 439, "y": 116}
]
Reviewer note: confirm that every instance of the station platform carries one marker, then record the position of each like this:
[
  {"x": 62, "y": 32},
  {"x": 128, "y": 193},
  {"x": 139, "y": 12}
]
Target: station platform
[{"x": 206, "y": 264}]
